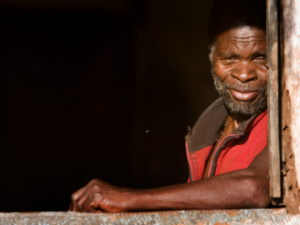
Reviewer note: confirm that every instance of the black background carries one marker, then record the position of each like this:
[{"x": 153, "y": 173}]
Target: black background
[{"x": 93, "y": 91}]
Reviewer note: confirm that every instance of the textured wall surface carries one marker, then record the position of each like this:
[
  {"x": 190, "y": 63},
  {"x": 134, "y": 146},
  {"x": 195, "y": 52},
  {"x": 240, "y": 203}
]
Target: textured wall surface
[
  {"x": 218, "y": 217},
  {"x": 291, "y": 100}
]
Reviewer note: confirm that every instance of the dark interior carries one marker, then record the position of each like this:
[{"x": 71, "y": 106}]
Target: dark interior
[{"x": 98, "y": 90}]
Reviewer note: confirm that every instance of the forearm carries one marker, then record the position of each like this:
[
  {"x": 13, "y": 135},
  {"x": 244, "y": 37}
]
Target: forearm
[
  {"x": 248, "y": 188},
  {"x": 238, "y": 189}
]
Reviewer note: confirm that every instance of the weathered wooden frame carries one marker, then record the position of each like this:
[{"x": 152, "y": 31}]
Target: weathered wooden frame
[
  {"x": 290, "y": 100},
  {"x": 273, "y": 99},
  {"x": 283, "y": 28}
]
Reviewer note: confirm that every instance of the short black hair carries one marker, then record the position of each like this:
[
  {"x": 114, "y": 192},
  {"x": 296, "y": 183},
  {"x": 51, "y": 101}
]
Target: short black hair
[{"x": 226, "y": 14}]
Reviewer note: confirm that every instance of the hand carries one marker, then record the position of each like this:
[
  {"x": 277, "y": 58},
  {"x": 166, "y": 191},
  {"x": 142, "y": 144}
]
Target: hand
[{"x": 100, "y": 196}]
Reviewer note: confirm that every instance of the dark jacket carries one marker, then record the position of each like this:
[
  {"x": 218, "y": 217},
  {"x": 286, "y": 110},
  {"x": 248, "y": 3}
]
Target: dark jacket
[{"x": 236, "y": 151}]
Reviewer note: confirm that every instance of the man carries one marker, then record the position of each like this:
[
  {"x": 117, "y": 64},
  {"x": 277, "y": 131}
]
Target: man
[{"x": 226, "y": 149}]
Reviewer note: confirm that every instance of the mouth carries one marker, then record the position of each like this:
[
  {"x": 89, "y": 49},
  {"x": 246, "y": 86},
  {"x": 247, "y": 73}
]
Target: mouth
[{"x": 243, "y": 96}]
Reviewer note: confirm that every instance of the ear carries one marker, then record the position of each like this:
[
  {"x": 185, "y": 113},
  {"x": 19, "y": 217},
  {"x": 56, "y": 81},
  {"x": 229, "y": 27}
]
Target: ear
[
  {"x": 210, "y": 56},
  {"x": 211, "y": 52}
]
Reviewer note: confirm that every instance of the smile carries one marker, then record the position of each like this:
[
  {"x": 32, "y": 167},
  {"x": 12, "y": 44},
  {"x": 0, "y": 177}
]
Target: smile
[{"x": 243, "y": 96}]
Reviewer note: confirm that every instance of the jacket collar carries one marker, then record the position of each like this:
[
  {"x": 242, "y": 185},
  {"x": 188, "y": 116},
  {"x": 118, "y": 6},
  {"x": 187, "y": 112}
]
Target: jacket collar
[{"x": 208, "y": 127}]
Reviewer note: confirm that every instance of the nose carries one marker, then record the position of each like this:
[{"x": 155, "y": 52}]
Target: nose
[{"x": 244, "y": 72}]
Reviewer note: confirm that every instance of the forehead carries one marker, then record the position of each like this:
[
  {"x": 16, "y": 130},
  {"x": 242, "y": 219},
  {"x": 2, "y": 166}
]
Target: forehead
[{"x": 242, "y": 37}]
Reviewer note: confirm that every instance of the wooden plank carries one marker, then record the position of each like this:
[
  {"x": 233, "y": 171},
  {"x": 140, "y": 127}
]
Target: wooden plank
[
  {"x": 291, "y": 101},
  {"x": 273, "y": 98},
  {"x": 211, "y": 217}
]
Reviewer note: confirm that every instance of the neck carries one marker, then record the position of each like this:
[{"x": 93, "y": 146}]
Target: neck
[{"x": 237, "y": 119}]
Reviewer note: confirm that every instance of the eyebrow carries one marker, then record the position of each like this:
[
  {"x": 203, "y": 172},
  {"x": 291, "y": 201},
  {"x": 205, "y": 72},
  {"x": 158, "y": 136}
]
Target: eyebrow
[
  {"x": 259, "y": 53},
  {"x": 234, "y": 54},
  {"x": 228, "y": 54}
]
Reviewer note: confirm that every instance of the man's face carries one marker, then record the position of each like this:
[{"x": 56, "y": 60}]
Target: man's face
[{"x": 239, "y": 68}]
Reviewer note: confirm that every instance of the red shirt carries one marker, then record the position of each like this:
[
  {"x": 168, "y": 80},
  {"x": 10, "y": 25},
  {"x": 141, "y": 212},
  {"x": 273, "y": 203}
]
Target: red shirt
[{"x": 236, "y": 151}]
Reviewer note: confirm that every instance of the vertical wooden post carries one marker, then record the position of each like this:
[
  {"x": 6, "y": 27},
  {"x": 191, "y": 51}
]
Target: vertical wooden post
[
  {"x": 291, "y": 100},
  {"x": 273, "y": 98}
]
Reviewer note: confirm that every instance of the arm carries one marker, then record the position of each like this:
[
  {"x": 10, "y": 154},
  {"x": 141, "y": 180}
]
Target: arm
[{"x": 247, "y": 188}]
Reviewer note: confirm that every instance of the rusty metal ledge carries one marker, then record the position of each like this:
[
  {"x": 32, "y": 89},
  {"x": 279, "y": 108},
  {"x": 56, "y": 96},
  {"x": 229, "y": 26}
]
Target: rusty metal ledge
[{"x": 207, "y": 217}]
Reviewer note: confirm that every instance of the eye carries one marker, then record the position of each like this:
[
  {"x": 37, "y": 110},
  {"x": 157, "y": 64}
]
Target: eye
[
  {"x": 230, "y": 59},
  {"x": 261, "y": 59}
]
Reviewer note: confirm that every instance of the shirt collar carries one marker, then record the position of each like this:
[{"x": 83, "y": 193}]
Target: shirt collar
[{"x": 208, "y": 127}]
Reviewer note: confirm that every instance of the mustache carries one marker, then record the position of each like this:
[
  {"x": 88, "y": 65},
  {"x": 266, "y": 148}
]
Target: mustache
[{"x": 245, "y": 87}]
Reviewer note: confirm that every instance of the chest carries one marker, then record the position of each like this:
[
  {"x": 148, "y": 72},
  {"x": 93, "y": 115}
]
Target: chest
[
  {"x": 231, "y": 152},
  {"x": 225, "y": 134}
]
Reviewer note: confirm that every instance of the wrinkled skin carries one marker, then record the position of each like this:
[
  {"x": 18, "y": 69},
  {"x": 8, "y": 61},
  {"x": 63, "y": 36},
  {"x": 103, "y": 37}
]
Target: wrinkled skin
[
  {"x": 239, "y": 59},
  {"x": 98, "y": 196},
  {"x": 240, "y": 69}
]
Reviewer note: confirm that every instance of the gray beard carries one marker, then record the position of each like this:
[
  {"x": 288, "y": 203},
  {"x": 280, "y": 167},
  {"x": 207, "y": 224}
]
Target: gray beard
[{"x": 245, "y": 108}]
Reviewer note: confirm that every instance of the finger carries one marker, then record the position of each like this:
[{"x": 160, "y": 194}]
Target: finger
[
  {"x": 80, "y": 203},
  {"x": 77, "y": 194},
  {"x": 89, "y": 205},
  {"x": 73, "y": 207},
  {"x": 93, "y": 203}
]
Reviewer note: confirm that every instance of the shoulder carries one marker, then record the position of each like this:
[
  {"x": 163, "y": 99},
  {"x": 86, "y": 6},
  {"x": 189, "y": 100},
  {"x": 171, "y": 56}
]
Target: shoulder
[
  {"x": 208, "y": 125},
  {"x": 215, "y": 107}
]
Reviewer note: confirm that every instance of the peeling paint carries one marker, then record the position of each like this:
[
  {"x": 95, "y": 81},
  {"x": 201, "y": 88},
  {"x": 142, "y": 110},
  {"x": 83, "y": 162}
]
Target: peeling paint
[
  {"x": 203, "y": 217},
  {"x": 291, "y": 100}
]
